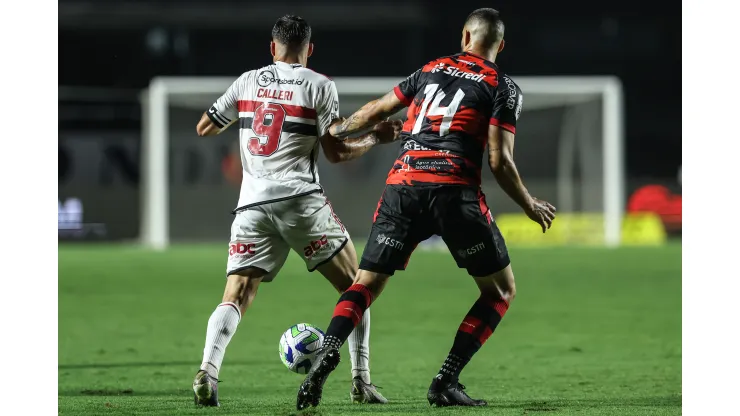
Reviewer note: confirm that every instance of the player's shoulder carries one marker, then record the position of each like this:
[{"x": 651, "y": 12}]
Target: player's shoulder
[
  {"x": 438, "y": 63},
  {"x": 316, "y": 78},
  {"x": 246, "y": 76},
  {"x": 507, "y": 83}
]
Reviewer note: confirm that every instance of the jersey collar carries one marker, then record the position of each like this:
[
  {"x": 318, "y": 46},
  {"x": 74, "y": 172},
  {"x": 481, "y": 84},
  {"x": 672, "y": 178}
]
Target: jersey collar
[
  {"x": 491, "y": 64},
  {"x": 287, "y": 64}
]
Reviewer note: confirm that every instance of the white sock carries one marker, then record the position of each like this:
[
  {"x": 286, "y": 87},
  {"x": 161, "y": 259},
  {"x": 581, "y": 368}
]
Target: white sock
[
  {"x": 221, "y": 327},
  {"x": 359, "y": 348}
]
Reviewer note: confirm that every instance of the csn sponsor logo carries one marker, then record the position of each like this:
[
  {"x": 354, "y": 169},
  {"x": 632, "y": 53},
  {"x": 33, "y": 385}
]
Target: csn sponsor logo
[
  {"x": 266, "y": 78},
  {"x": 383, "y": 239},
  {"x": 315, "y": 246},
  {"x": 242, "y": 249},
  {"x": 465, "y": 252},
  {"x": 456, "y": 72}
]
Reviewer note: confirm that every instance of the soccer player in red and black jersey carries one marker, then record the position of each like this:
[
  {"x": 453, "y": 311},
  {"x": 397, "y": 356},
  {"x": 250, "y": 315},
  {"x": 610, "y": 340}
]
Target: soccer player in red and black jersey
[{"x": 457, "y": 105}]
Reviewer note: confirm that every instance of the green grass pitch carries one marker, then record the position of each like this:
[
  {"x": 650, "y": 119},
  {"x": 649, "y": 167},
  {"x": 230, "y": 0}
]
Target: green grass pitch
[{"x": 592, "y": 332}]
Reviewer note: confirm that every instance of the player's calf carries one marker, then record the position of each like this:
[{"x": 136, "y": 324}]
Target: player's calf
[
  {"x": 347, "y": 314},
  {"x": 241, "y": 288},
  {"x": 340, "y": 271},
  {"x": 497, "y": 291},
  {"x": 352, "y": 305}
]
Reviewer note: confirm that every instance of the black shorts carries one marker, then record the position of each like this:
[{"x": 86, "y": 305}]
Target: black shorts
[{"x": 408, "y": 215}]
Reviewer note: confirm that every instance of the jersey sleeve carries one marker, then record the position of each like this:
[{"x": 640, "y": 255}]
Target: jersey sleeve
[
  {"x": 507, "y": 106},
  {"x": 406, "y": 90},
  {"x": 226, "y": 109},
  {"x": 327, "y": 108}
]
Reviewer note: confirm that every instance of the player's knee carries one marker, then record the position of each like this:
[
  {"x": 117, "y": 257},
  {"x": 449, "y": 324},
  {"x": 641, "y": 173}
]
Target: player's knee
[
  {"x": 340, "y": 271},
  {"x": 375, "y": 282},
  {"x": 512, "y": 291},
  {"x": 500, "y": 285},
  {"x": 241, "y": 287}
]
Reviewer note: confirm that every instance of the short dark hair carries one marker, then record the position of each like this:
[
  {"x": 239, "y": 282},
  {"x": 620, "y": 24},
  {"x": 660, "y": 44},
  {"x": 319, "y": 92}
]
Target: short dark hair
[
  {"x": 492, "y": 19},
  {"x": 292, "y": 31}
]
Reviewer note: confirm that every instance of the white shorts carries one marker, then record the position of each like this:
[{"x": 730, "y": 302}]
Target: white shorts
[{"x": 262, "y": 236}]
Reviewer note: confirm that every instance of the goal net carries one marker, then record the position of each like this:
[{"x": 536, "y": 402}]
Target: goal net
[{"x": 569, "y": 151}]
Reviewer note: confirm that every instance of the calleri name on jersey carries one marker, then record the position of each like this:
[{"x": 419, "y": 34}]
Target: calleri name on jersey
[
  {"x": 452, "y": 101},
  {"x": 282, "y": 110}
]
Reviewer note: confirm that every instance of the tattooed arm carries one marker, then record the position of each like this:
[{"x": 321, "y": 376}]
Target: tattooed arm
[
  {"x": 370, "y": 114},
  {"x": 337, "y": 150}
]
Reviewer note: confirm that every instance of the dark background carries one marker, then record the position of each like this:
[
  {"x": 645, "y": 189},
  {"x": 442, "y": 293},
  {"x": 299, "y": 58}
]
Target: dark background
[{"x": 109, "y": 50}]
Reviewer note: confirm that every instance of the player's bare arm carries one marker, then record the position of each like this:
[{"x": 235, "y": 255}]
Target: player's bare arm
[
  {"x": 501, "y": 161},
  {"x": 370, "y": 114},
  {"x": 206, "y": 127},
  {"x": 337, "y": 150}
]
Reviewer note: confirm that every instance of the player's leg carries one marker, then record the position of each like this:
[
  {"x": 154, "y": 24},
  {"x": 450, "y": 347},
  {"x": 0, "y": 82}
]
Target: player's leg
[
  {"x": 315, "y": 231},
  {"x": 496, "y": 293},
  {"x": 477, "y": 245},
  {"x": 340, "y": 271},
  {"x": 256, "y": 254},
  {"x": 392, "y": 239},
  {"x": 347, "y": 314}
]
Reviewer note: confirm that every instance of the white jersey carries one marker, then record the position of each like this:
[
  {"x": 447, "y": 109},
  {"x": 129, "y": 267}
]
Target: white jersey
[{"x": 282, "y": 110}]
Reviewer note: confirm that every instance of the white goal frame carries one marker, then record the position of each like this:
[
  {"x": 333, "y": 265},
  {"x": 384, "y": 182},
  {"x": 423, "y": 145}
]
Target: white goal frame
[{"x": 154, "y": 232}]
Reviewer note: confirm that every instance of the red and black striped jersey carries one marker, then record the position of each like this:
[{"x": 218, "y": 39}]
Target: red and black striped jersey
[{"x": 451, "y": 102}]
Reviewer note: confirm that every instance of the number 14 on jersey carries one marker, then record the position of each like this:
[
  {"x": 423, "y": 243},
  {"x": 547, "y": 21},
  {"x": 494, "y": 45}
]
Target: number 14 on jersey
[{"x": 432, "y": 94}]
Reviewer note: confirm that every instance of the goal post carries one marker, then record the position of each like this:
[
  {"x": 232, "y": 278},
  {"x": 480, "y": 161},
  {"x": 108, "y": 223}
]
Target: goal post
[{"x": 583, "y": 117}]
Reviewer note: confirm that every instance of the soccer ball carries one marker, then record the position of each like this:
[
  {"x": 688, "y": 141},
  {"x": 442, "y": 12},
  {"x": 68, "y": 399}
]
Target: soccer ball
[{"x": 299, "y": 345}]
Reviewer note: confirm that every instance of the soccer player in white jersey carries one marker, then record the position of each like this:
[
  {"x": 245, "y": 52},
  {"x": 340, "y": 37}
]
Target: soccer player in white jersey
[{"x": 284, "y": 111}]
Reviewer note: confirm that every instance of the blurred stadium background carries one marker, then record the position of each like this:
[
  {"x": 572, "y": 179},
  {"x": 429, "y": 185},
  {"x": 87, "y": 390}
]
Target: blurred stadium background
[{"x": 111, "y": 288}]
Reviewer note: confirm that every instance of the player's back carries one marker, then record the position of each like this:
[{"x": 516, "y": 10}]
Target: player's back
[
  {"x": 282, "y": 110},
  {"x": 452, "y": 100}
]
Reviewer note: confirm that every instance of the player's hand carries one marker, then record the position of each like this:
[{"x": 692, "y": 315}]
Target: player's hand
[
  {"x": 334, "y": 124},
  {"x": 388, "y": 131},
  {"x": 541, "y": 212}
]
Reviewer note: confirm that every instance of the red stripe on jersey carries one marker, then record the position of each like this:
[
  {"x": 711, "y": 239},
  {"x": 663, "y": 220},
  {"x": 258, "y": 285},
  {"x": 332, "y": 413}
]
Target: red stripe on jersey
[
  {"x": 411, "y": 116},
  {"x": 377, "y": 209},
  {"x": 467, "y": 120},
  {"x": 404, "y": 99},
  {"x": 491, "y": 75},
  {"x": 411, "y": 178},
  {"x": 291, "y": 110},
  {"x": 505, "y": 126},
  {"x": 458, "y": 171},
  {"x": 484, "y": 207}
]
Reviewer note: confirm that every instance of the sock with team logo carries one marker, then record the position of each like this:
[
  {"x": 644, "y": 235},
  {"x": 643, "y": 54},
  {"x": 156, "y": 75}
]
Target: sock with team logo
[
  {"x": 221, "y": 327},
  {"x": 478, "y": 325},
  {"x": 347, "y": 314}
]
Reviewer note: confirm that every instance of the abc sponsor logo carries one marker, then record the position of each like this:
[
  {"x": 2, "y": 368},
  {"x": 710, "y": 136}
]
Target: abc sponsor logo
[
  {"x": 315, "y": 246},
  {"x": 266, "y": 78},
  {"x": 383, "y": 239},
  {"x": 242, "y": 249}
]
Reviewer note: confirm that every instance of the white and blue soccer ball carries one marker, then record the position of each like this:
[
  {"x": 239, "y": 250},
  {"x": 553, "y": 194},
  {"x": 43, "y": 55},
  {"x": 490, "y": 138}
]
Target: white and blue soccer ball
[{"x": 299, "y": 345}]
